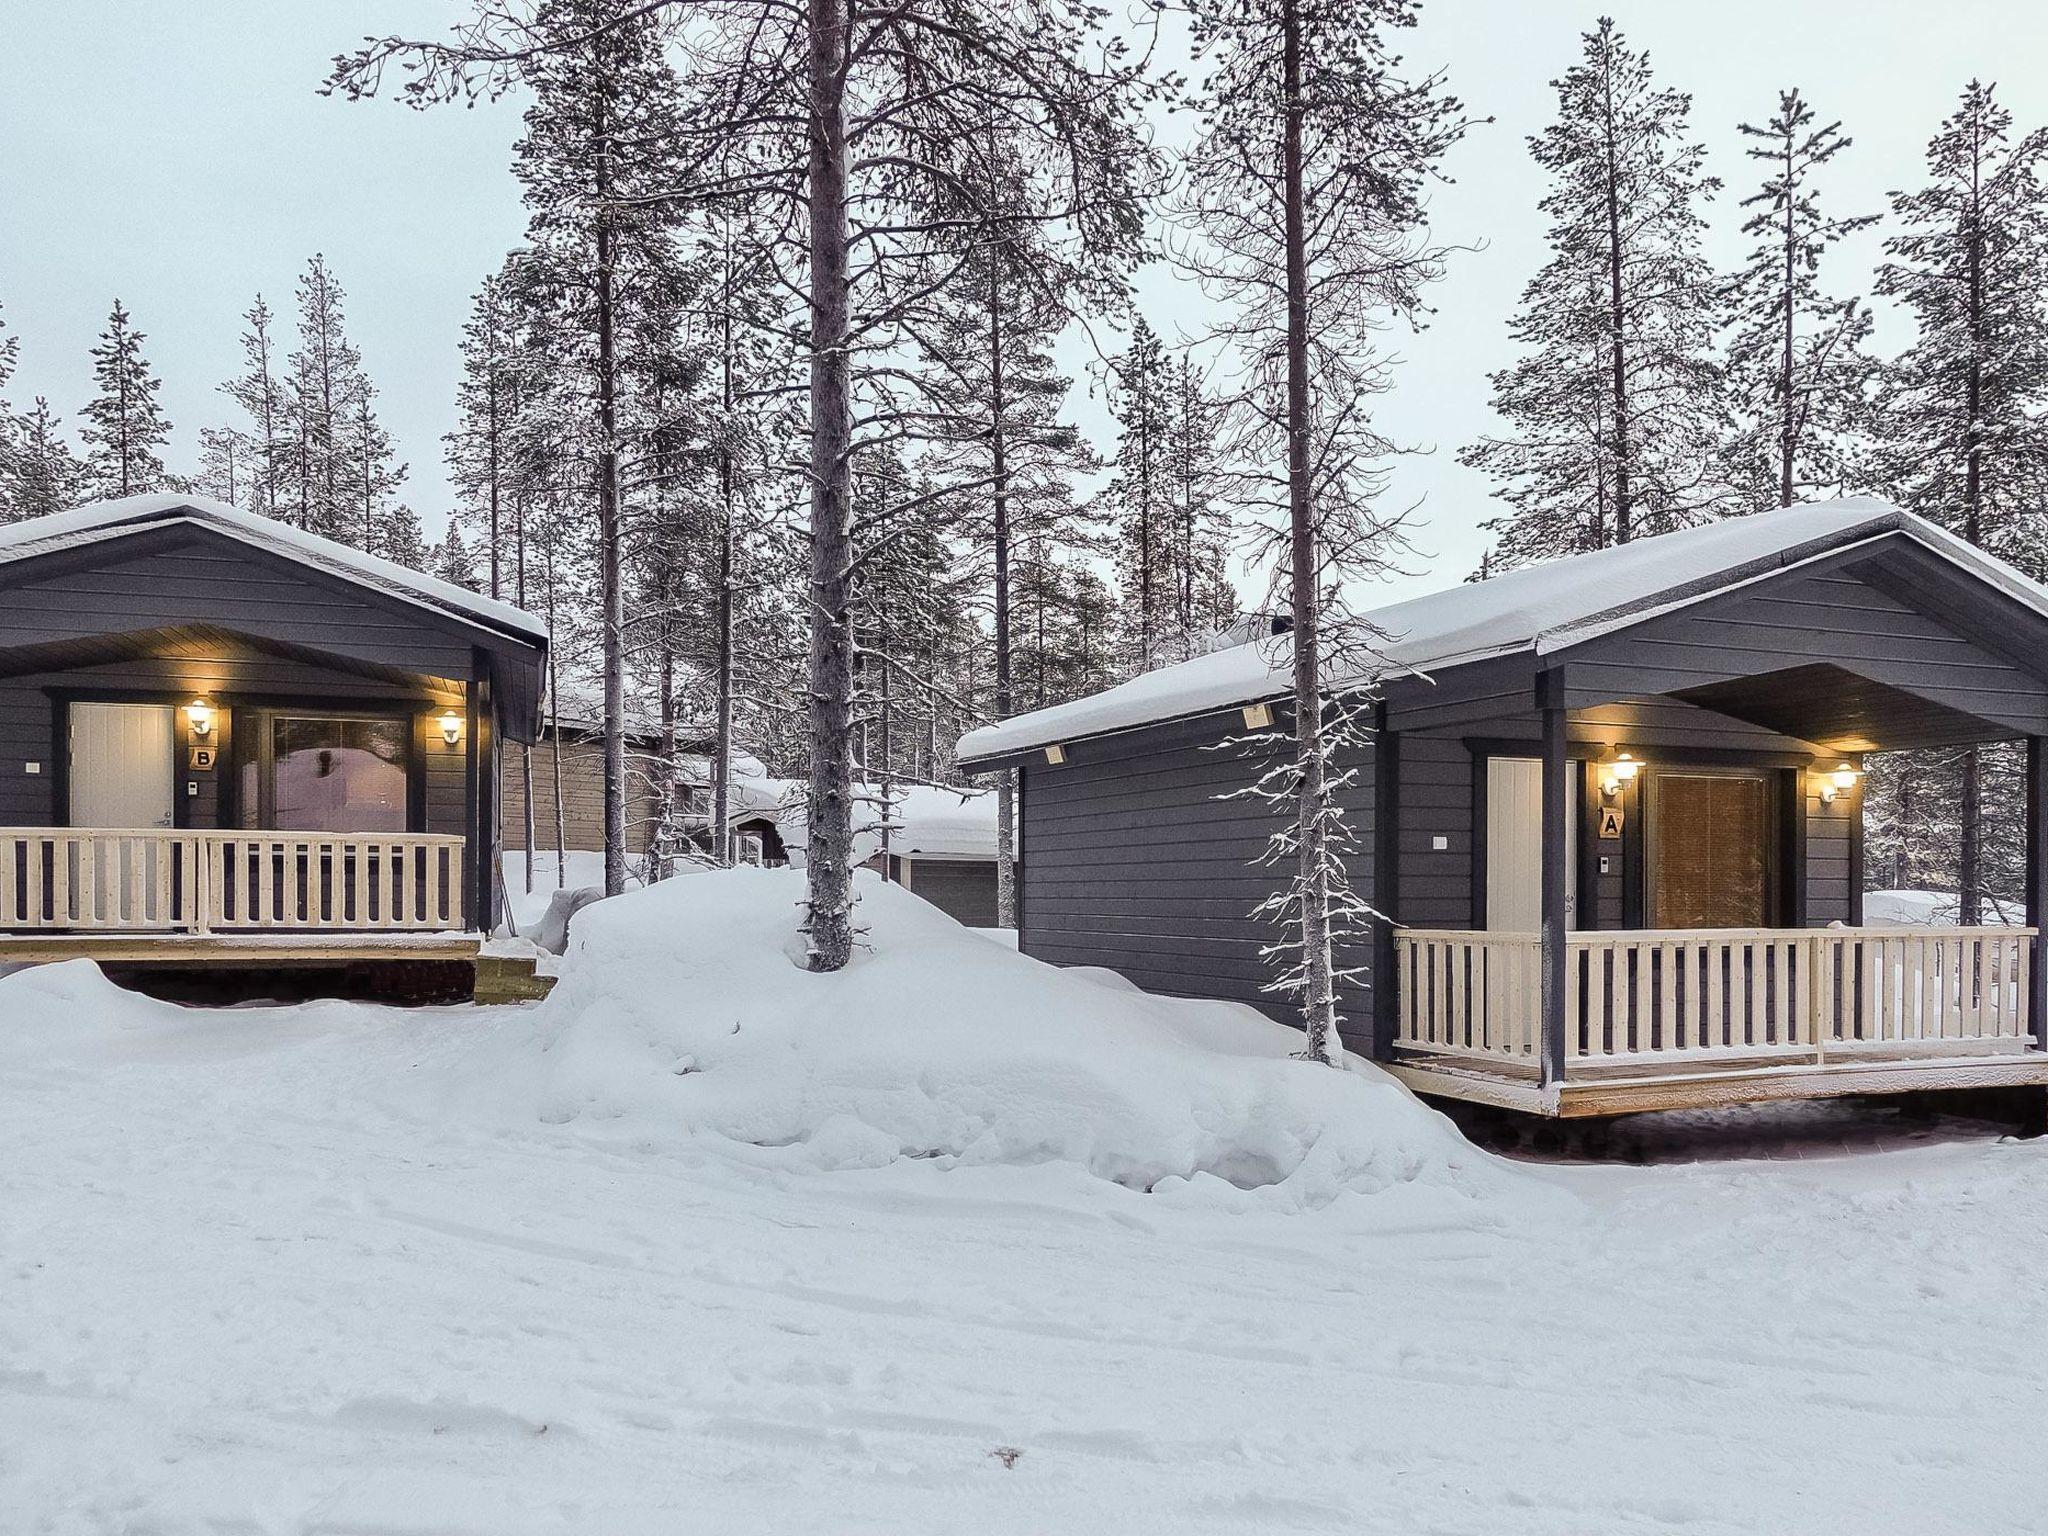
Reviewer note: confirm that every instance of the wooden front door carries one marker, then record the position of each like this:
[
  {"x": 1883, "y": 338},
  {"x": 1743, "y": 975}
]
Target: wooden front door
[
  {"x": 121, "y": 766},
  {"x": 1711, "y": 836}
]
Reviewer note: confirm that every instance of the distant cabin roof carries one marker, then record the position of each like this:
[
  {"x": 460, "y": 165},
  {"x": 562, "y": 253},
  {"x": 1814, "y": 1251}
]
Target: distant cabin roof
[
  {"x": 1539, "y": 608},
  {"x": 106, "y": 520},
  {"x": 930, "y": 821}
]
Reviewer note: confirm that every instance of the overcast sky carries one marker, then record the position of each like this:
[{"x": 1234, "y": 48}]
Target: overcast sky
[{"x": 178, "y": 155}]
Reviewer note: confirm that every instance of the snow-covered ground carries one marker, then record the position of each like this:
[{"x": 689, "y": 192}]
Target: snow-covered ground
[
  {"x": 1925, "y": 909},
  {"x": 708, "y": 1244}
]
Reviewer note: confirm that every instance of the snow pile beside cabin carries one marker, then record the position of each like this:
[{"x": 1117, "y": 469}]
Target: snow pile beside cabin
[{"x": 684, "y": 1012}]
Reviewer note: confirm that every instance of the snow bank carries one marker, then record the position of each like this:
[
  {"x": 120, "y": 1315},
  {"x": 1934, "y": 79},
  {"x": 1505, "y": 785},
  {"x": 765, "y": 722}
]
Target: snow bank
[
  {"x": 1928, "y": 909},
  {"x": 684, "y": 1011}
]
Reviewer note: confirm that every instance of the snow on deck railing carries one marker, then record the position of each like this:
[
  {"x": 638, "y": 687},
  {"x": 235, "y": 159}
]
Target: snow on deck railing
[
  {"x": 1702, "y": 994},
  {"x": 150, "y": 880}
]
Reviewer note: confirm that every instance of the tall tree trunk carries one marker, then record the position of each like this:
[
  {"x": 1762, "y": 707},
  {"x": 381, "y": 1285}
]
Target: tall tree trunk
[
  {"x": 1312, "y": 875},
  {"x": 526, "y": 748},
  {"x": 1624, "y": 509},
  {"x": 608, "y": 515},
  {"x": 721, "y": 758},
  {"x": 999, "y": 476},
  {"x": 828, "y": 860},
  {"x": 1787, "y": 407},
  {"x": 1969, "y": 873}
]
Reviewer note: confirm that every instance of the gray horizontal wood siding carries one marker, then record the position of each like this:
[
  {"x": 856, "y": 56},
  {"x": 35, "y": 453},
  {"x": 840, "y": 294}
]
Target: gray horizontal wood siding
[
  {"x": 1135, "y": 860},
  {"x": 963, "y": 889}
]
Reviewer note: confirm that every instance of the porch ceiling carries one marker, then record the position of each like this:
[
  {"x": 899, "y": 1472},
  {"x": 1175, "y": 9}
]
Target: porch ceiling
[
  {"x": 1842, "y": 710},
  {"x": 200, "y": 645}
]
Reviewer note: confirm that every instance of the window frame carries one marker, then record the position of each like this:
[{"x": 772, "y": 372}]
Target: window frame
[{"x": 255, "y": 744}]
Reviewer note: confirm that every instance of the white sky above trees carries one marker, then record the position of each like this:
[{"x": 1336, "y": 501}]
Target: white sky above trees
[{"x": 178, "y": 156}]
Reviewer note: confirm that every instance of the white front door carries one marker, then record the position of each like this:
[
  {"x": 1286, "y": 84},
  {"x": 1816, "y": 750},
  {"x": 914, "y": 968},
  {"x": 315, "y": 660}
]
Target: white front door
[
  {"x": 1514, "y": 847},
  {"x": 122, "y": 765}
]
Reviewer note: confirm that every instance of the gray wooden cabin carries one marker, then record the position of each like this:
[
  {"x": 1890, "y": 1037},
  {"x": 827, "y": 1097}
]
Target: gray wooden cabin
[
  {"x": 218, "y": 732},
  {"x": 1610, "y": 811}
]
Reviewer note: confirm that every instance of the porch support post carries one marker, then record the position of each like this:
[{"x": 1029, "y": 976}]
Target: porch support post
[
  {"x": 1550, "y": 704},
  {"x": 2037, "y": 885},
  {"x": 1386, "y": 880}
]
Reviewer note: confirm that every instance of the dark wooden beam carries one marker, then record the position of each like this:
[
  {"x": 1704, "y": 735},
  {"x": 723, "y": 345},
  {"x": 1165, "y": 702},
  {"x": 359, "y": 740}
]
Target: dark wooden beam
[
  {"x": 2037, "y": 884},
  {"x": 1550, "y": 701},
  {"x": 1386, "y": 882}
]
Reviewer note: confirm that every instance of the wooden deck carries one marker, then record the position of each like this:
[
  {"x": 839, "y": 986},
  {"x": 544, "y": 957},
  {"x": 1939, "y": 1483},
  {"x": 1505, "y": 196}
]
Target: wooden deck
[
  {"x": 1622, "y": 1091},
  {"x": 1685, "y": 1019},
  {"x": 235, "y": 949}
]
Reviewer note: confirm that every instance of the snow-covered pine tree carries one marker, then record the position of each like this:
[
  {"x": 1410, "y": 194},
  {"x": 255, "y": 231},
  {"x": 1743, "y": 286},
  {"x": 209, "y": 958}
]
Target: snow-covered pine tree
[
  {"x": 123, "y": 424},
  {"x": 998, "y": 398},
  {"x": 487, "y": 404},
  {"x": 1612, "y": 416},
  {"x": 265, "y": 398},
  {"x": 1204, "y": 600},
  {"x": 1963, "y": 437},
  {"x": 1139, "y": 499},
  {"x": 1798, "y": 376},
  {"x": 372, "y": 473},
  {"x": 851, "y": 134},
  {"x": 224, "y": 465},
  {"x": 42, "y": 474},
  {"x": 452, "y": 561},
  {"x": 405, "y": 537},
  {"x": 325, "y": 374},
  {"x": 10, "y": 354},
  {"x": 1306, "y": 189}
]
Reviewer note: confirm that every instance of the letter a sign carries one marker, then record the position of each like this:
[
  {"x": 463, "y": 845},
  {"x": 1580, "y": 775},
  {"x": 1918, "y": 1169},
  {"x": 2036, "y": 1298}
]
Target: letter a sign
[{"x": 1610, "y": 821}]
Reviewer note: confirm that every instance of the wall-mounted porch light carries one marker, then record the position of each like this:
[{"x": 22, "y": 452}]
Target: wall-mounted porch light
[
  {"x": 1616, "y": 773},
  {"x": 1839, "y": 782},
  {"x": 451, "y": 727},
  {"x": 199, "y": 714}
]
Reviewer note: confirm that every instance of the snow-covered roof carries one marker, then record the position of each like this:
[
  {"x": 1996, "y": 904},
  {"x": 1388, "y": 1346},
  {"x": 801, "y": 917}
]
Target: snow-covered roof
[
  {"x": 113, "y": 519},
  {"x": 1540, "y": 608},
  {"x": 931, "y": 821}
]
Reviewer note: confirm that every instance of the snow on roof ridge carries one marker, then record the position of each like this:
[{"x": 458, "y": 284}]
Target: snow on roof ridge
[
  {"x": 109, "y": 519},
  {"x": 1532, "y": 608}
]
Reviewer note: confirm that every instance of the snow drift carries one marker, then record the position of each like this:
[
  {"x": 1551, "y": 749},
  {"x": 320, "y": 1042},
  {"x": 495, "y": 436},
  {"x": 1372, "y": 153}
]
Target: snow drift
[{"x": 685, "y": 1010}]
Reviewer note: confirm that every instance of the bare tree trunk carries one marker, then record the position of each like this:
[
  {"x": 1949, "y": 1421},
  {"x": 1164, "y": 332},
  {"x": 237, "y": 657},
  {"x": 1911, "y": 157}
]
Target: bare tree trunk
[
  {"x": 828, "y": 866},
  {"x": 1624, "y": 509},
  {"x": 999, "y": 475},
  {"x": 555, "y": 734},
  {"x": 1312, "y": 876},
  {"x": 526, "y": 748},
  {"x": 608, "y": 516},
  {"x": 721, "y": 758},
  {"x": 1969, "y": 873},
  {"x": 1787, "y": 429}
]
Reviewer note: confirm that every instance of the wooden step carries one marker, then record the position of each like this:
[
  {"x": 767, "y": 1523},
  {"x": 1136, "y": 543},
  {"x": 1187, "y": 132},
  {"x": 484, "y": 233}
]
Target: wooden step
[{"x": 510, "y": 979}]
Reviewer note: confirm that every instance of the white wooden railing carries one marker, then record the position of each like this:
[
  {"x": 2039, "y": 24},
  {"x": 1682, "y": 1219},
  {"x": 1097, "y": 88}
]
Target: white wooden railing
[
  {"x": 98, "y": 880},
  {"x": 1706, "y": 994}
]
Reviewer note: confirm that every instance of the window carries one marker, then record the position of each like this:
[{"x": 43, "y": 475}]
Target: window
[
  {"x": 325, "y": 773},
  {"x": 1710, "y": 838}
]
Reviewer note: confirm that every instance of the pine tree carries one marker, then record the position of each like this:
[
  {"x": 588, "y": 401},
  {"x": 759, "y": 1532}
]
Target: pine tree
[
  {"x": 124, "y": 425},
  {"x": 851, "y": 134},
  {"x": 373, "y": 473},
  {"x": 1140, "y": 498},
  {"x": 224, "y": 465},
  {"x": 1798, "y": 376},
  {"x": 264, "y": 397},
  {"x": 42, "y": 475},
  {"x": 325, "y": 374},
  {"x": 1307, "y": 182},
  {"x": 1204, "y": 601},
  {"x": 1964, "y": 439},
  {"x": 10, "y": 352},
  {"x": 452, "y": 561},
  {"x": 1612, "y": 415},
  {"x": 404, "y": 540}
]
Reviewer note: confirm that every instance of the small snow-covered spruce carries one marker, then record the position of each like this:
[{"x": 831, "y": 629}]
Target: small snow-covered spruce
[
  {"x": 40, "y": 475},
  {"x": 1305, "y": 204},
  {"x": 123, "y": 424},
  {"x": 1798, "y": 376},
  {"x": 325, "y": 374},
  {"x": 1963, "y": 438},
  {"x": 264, "y": 396},
  {"x": 1613, "y": 412}
]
